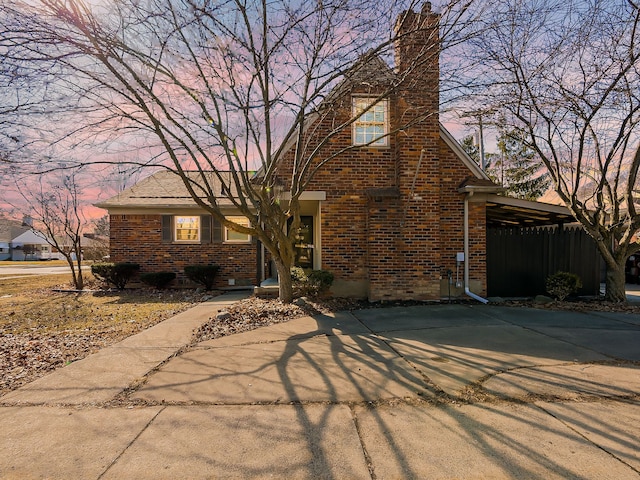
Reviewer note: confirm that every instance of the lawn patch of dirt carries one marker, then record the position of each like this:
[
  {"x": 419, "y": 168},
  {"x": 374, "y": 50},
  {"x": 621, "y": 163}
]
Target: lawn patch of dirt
[{"x": 41, "y": 330}]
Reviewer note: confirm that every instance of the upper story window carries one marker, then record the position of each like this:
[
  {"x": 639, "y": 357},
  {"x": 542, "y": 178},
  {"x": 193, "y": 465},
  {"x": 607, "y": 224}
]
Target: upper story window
[
  {"x": 232, "y": 236},
  {"x": 187, "y": 229},
  {"x": 373, "y": 122}
]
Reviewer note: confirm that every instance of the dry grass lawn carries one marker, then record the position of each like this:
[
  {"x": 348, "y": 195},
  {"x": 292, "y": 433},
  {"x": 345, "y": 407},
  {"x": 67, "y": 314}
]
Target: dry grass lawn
[{"x": 41, "y": 330}]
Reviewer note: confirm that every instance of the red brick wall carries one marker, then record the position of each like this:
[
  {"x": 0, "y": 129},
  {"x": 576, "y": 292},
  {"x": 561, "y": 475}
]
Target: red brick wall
[
  {"x": 345, "y": 180},
  {"x": 138, "y": 239},
  {"x": 397, "y": 247},
  {"x": 478, "y": 246}
]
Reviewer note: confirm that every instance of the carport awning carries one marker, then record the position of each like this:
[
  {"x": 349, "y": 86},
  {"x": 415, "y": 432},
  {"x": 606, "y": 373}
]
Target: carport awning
[{"x": 513, "y": 212}]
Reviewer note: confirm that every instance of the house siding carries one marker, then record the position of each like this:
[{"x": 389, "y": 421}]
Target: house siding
[{"x": 138, "y": 238}]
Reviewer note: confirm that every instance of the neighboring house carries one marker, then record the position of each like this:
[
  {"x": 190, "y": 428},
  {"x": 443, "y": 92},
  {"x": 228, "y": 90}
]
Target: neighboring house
[
  {"x": 9, "y": 229},
  {"x": 19, "y": 241},
  {"x": 31, "y": 245},
  {"x": 390, "y": 220}
]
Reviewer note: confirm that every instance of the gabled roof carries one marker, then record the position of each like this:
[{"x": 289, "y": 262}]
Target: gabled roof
[
  {"x": 469, "y": 162},
  {"x": 10, "y": 229},
  {"x": 166, "y": 189},
  {"x": 30, "y": 236},
  {"x": 372, "y": 71},
  {"x": 369, "y": 71}
]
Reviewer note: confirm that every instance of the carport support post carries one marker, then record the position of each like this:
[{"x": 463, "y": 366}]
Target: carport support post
[{"x": 466, "y": 251}]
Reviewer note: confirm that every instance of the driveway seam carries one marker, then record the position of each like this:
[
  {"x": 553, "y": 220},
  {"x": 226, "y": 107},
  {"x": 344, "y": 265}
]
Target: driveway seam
[
  {"x": 115, "y": 460},
  {"x": 587, "y": 439},
  {"x": 430, "y": 385},
  {"x": 531, "y": 329},
  {"x": 365, "y": 453}
]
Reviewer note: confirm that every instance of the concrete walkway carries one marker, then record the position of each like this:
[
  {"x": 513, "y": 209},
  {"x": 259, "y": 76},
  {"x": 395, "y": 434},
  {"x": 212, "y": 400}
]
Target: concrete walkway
[{"x": 442, "y": 391}]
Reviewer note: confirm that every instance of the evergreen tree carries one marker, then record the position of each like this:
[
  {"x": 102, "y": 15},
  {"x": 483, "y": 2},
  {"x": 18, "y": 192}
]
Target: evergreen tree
[
  {"x": 469, "y": 145},
  {"x": 517, "y": 168}
]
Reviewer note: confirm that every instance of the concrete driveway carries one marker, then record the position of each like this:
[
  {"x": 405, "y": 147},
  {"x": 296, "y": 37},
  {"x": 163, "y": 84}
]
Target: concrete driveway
[{"x": 442, "y": 391}]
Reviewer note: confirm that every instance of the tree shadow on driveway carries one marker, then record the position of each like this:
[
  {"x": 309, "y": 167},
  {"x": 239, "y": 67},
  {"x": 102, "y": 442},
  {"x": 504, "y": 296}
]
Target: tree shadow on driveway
[{"x": 380, "y": 399}]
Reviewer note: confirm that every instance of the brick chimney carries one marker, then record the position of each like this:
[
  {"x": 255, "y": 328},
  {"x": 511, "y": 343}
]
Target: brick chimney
[
  {"x": 417, "y": 56},
  {"x": 417, "y": 52},
  {"x": 417, "y": 65}
]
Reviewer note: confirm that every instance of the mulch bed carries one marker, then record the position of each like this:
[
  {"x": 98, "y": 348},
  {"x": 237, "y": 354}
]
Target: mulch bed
[{"x": 255, "y": 312}]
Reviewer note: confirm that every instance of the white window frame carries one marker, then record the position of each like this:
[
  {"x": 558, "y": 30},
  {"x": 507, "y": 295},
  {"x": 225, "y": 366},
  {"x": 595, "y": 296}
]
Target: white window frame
[
  {"x": 367, "y": 120},
  {"x": 176, "y": 224},
  {"x": 246, "y": 238}
]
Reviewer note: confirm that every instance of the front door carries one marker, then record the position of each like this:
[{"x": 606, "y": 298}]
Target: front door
[{"x": 303, "y": 245}]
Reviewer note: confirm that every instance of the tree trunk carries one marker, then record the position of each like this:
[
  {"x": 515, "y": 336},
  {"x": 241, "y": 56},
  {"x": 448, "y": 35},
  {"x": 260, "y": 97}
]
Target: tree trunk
[
  {"x": 615, "y": 284},
  {"x": 76, "y": 277},
  {"x": 284, "y": 281},
  {"x": 79, "y": 277}
]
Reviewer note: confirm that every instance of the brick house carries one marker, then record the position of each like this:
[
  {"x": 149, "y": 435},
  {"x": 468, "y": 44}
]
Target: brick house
[
  {"x": 388, "y": 219},
  {"x": 156, "y": 224}
]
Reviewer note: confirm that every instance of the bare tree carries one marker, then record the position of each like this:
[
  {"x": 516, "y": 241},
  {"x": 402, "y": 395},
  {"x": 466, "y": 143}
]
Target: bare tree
[
  {"x": 101, "y": 226},
  {"x": 227, "y": 87},
  {"x": 54, "y": 203},
  {"x": 566, "y": 74},
  {"x": 96, "y": 247}
]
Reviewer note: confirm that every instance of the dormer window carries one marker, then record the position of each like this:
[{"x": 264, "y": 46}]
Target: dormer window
[{"x": 372, "y": 124}]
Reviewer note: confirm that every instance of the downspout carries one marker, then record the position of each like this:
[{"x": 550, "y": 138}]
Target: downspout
[{"x": 466, "y": 252}]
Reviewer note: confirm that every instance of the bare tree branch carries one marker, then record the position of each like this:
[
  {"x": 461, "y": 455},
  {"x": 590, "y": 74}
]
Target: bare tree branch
[{"x": 566, "y": 72}]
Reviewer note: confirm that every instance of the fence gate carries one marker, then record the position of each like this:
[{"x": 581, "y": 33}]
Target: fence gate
[{"x": 520, "y": 259}]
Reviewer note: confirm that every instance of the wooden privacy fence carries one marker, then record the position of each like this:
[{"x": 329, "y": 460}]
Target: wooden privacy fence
[{"x": 519, "y": 260}]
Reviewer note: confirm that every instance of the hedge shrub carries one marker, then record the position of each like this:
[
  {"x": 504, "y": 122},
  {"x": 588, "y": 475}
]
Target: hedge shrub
[
  {"x": 562, "y": 284},
  {"x": 321, "y": 279},
  {"x": 313, "y": 283},
  {"x": 158, "y": 280},
  {"x": 116, "y": 274},
  {"x": 298, "y": 275},
  {"x": 205, "y": 275}
]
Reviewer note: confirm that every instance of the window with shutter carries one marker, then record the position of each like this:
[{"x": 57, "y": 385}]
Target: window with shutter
[
  {"x": 187, "y": 229},
  {"x": 205, "y": 232},
  {"x": 216, "y": 231},
  {"x": 202, "y": 229}
]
